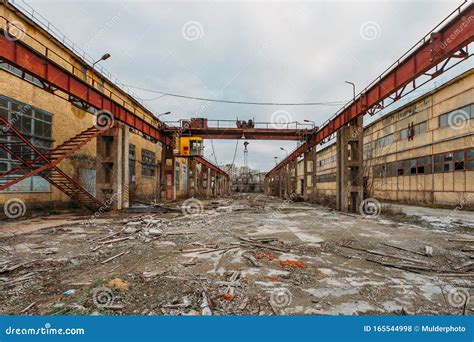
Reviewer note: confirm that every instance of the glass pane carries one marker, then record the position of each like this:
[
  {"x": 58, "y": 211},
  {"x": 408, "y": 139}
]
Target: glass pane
[
  {"x": 448, "y": 157},
  {"x": 459, "y": 156},
  {"x": 438, "y": 158},
  {"x": 3, "y": 102},
  {"x": 470, "y": 154},
  {"x": 4, "y": 113},
  {"x": 443, "y": 120},
  {"x": 470, "y": 165},
  {"x": 38, "y": 125}
]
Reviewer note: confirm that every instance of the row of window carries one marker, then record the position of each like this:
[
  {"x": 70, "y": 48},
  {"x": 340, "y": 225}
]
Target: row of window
[
  {"x": 328, "y": 177},
  {"x": 328, "y": 160},
  {"x": 458, "y": 117},
  {"x": 444, "y": 162},
  {"x": 407, "y": 133}
]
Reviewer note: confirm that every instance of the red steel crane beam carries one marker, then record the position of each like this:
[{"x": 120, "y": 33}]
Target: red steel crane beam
[
  {"x": 38, "y": 64},
  {"x": 208, "y": 164},
  {"x": 435, "y": 48},
  {"x": 249, "y": 133},
  {"x": 34, "y": 62}
]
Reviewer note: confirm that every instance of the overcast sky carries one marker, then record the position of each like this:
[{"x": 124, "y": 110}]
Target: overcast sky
[{"x": 246, "y": 51}]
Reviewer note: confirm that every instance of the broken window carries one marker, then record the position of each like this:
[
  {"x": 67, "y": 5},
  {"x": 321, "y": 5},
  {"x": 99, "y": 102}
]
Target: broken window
[
  {"x": 35, "y": 125},
  {"x": 459, "y": 160},
  {"x": 148, "y": 163}
]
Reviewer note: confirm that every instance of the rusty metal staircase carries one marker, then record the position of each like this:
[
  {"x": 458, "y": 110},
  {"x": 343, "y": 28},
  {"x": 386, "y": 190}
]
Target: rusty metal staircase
[{"x": 34, "y": 162}]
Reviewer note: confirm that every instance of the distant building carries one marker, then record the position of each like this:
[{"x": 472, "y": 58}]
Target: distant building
[{"x": 244, "y": 179}]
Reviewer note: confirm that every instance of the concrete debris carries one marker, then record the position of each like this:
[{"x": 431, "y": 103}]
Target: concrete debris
[
  {"x": 227, "y": 260},
  {"x": 206, "y": 311}
]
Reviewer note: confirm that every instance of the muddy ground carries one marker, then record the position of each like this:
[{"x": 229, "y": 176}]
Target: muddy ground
[{"x": 239, "y": 255}]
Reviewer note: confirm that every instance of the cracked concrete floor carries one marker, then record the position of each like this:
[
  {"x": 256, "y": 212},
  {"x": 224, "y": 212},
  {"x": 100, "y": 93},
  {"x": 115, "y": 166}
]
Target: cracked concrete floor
[{"x": 247, "y": 254}]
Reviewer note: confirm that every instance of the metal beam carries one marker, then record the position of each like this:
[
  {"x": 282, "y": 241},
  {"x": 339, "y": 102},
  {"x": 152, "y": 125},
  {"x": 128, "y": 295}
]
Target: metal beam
[
  {"x": 248, "y": 133},
  {"x": 38, "y": 64}
]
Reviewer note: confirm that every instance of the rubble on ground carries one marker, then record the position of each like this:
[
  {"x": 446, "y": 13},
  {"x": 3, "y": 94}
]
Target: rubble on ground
[{"x": 241, "y": 255}]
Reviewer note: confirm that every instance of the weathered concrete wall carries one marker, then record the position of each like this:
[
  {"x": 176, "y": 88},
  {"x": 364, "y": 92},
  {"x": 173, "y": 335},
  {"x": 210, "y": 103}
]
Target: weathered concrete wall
[{"x": 449, "y": 188}]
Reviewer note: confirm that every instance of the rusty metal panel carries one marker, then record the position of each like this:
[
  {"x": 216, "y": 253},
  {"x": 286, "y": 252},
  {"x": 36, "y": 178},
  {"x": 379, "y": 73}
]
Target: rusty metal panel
[
  {"x": 56, "y": 76},
  {"x": 7, "y": 48},
  {"x": 31, "y": 62},
  {"x": 77, "y": 89}
]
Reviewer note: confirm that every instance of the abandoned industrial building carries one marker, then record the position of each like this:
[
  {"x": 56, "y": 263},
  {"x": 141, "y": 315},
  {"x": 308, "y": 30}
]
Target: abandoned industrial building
[
  {"x": 421, "y": 153},
  {"x": 371, "y": 213}
]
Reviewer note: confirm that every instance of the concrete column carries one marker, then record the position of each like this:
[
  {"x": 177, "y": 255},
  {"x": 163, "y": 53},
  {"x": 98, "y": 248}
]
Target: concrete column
[
  {"x": 217, "y": 185},
  {"x": 195, "y": 179},
  {"x": 167, "y": 173},
  {"x": 307, "y": 159},
  {"x": 212, "y": 182},
  {"x": 112, "y": 176},
  {"x": 313, "y": 174},
  {"x": 349, "y": 166},
  {"x": 294, "y": 177},
  {"x": 189, "y": 181},
  {"x": 280, "y": 184},
  {"x": 208, "y": 181}
]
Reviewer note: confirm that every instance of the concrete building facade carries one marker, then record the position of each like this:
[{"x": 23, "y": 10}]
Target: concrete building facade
[
  {"x": 420, "y": 153},
  {"x": 121, "y": 165}
]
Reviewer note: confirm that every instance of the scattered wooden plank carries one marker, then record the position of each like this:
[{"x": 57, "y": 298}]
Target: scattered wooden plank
[
  {"x": 252, "y": 259},
  {"x": 178, "y": 233},
  {"x": 387, "y": 255},
  {"x": 224, "y": 249},
  {"x": 116, "y": 240},
  {"x": 460, "y": 240},
  {"x": 114, "y": 257},
  {"x": 403, "y": 249},
  {"x": 404, "y": 267},
  {"x": 260, "y": 245},
  {"x": 28, "y": 307}
]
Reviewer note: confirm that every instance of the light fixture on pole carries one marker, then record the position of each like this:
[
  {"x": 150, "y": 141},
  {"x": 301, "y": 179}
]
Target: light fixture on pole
[
  {"x": 163, "y": 114},
  {"x": 353, "y": 89},
  {"x": 103, "y": 58},
  {"x": 284, "y": 149}
]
